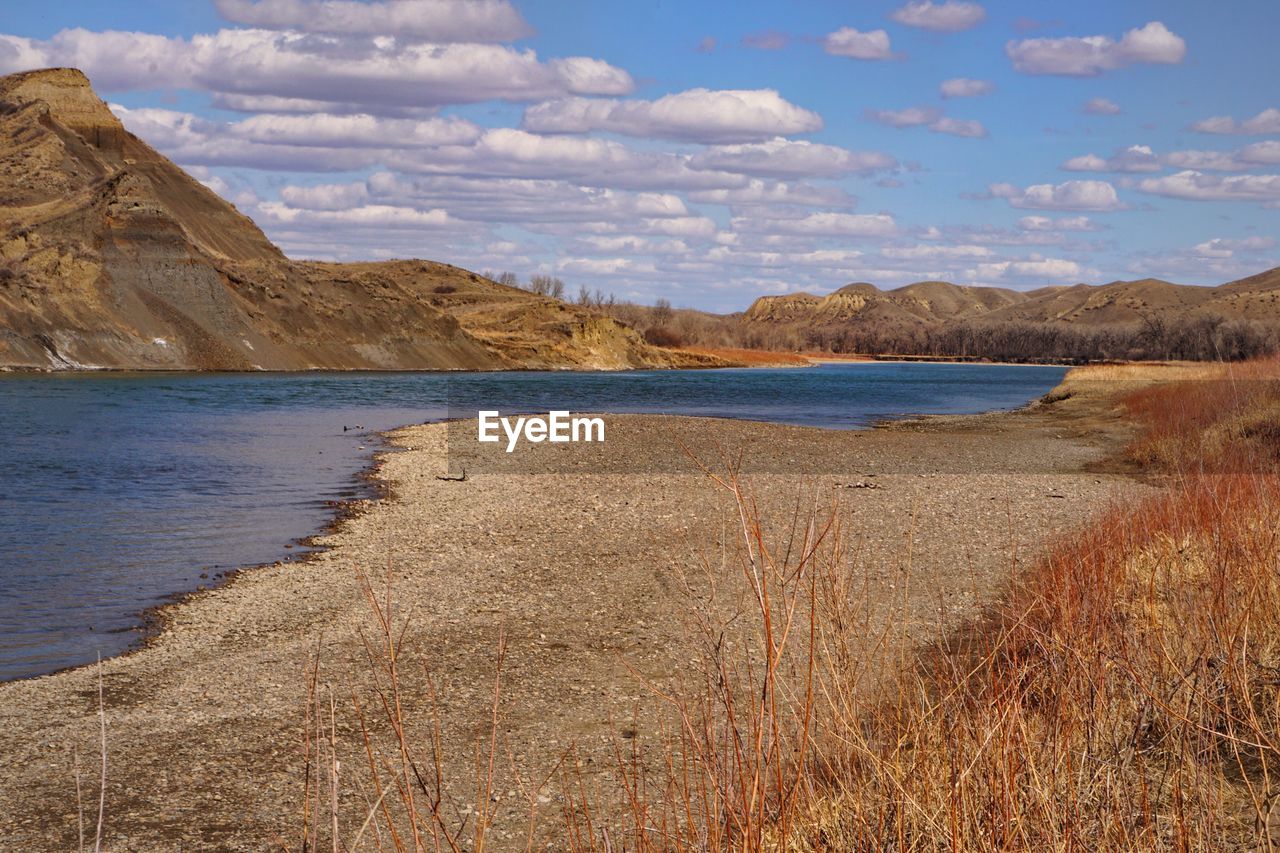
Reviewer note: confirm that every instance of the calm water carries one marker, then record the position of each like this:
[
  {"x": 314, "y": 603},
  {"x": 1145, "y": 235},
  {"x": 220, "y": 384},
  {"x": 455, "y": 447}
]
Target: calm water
[{"x": 118, "y": 491}]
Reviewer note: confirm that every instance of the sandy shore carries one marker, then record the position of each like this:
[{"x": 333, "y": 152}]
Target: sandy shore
[{"x": 572, "y": 551}]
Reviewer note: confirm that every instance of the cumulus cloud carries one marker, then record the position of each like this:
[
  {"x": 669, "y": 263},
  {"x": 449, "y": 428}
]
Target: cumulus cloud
[
  {"x": 356, "y": 131},
  {"x": 823, "y": 224},
  {"x": 336, "y": 69},
  {"x": 365, "y": 216},
  {"x": 965, "y": 87},
  {"x": 533, "y": 203},
  {"x": 1089, "y": 56},
  {"x": 1265, "y": 122},
  {"x": 1046, "y": 269},
  {"x": 758, "y": 191},
  {"x": 930, "y": 117},
  {"x": 604, "y": 266},
  {"x": 1135, "y": 158},
  {"x": 1260, "y": 152},
  {"x": 1072, "y": 195},
  {"x": 1197, "y": 186},
  {"x": 425, "y": 20},
  {"x": 696, "y": 115},
  {"x": 856, "y": 44},
  {"x": 1102, "y": 107},
  {"x": 788, "y": 158},
  {"x": 927, "y": 252},
  {"x": 950, "y": 16}
]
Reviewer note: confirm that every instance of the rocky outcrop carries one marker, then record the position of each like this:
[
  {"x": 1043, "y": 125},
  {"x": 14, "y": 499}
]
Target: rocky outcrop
[{"x": 111, "y": 256}]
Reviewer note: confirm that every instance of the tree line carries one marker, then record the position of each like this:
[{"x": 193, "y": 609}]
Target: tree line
[{"x": 1199, "y": 338}]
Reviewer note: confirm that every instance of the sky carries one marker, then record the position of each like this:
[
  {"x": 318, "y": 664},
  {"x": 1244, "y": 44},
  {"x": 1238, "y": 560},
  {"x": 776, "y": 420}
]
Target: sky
[{"x": 710, "y": 153}]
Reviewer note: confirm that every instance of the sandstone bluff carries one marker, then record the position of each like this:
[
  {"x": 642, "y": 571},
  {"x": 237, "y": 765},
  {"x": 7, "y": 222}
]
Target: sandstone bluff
[{"x": 112, "y": 257}]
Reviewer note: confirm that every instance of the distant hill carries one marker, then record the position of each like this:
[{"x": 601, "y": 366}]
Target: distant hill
[
  {"x": 112, "y": 256},
  {"x": 932, "y": 303},
  {"x": 922, "y": 303}
]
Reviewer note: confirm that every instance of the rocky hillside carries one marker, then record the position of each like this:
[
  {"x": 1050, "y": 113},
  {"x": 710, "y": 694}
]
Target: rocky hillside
[
  {"x": 938, "y": 303},
  {"x": 112, "y": 256}
]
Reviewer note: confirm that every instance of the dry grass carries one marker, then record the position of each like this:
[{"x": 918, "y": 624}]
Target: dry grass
[{"x": 1125, "y": 695}]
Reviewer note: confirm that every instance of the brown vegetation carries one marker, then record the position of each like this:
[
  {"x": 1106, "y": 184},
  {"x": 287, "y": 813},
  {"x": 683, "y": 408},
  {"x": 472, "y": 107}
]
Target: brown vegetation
[
  {"x": 1194, "y": 337},
  {"x": 1123, "y": 696}
]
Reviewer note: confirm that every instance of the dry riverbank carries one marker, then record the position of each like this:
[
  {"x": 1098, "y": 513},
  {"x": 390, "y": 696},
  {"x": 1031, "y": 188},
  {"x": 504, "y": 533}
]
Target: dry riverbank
[{"x": 575, "y": 552}]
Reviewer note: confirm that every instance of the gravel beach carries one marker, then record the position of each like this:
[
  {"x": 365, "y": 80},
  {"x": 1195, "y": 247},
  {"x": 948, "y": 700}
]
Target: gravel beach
[{"x": 570, "y": 551}]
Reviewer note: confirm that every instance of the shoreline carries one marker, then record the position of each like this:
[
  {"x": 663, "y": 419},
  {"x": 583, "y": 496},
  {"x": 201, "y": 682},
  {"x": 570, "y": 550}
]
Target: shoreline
[
  {"x": 235, "y": 655},
  {"x": 153, "y": 620},
  {"x": 809, "y": 360}
]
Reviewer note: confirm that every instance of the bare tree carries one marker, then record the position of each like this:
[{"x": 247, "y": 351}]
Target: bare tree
[{"x": 661, "y": 312}]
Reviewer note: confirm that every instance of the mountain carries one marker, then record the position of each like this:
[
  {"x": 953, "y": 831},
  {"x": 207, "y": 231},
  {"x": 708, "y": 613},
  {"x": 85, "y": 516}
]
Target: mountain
[
  {"x": 112, "y": 256},
  {"x": 939, "y": 303}
]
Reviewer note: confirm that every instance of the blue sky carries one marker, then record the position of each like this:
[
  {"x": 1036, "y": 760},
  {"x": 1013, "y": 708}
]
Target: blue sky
[{"x": 712, "y": 152}]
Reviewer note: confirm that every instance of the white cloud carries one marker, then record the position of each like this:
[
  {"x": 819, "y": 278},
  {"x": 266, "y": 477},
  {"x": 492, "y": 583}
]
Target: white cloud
[
  {"x": 604, "y": 266},
  {"x": 1135, "y": 158},
  {"x": 1265, "y": 122},
  {"x": 928, "y": 252},
  {"x": 334, "y": 69},
  {"x": 631, "y": 244},
  {"x": 326, "y": 196},
  {"x": 358, "y": 131},
  {"x": 1089, "y": 56},
  {"x": 426, "y": 20},
  {"x": 1197, "y": 186},
  {"x": 680, "y": 226},
  {"x": 823, "y": 224},
  {"x": 365, "y": 216},
  {"x": 1261, "y": 152},
  {"x": 1218, "y": 161},
  {"x": 1065, "y": 223},
  {"x": 775, "y": 192},
  {"x": 697, "y": 115},
  {"x": 950, "y": 16},
  {"x": 965, "y": 87},
  {"x": 786, "y": 158},
  {"x": 930, "y": 117},
  {"x": 1102, "y": 107},
  {"x": 1071, "y": 195},
  {"x": 1225, "y": 248},
  {"x": 1140, "y": 159},
  {"x": 1046, "y": 269},
  {"x": 969, "y": 128},
  {"x": 855, "y": 44}
]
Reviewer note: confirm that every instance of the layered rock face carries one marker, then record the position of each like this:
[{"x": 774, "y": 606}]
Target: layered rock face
[{"x": 112, "y": 257}]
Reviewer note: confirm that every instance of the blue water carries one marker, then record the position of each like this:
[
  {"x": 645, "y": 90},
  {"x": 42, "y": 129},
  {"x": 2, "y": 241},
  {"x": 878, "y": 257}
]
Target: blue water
[{"x": 118, "y": 491}]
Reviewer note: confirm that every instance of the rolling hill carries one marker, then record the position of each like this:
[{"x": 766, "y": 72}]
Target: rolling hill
[{"x": 938, "y": 303}]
